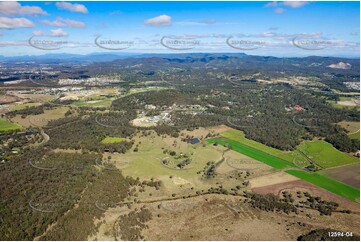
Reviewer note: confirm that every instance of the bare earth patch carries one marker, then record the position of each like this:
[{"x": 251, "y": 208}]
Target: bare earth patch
[
  {"x": 348, "y": 103},
  {"x": 272, "y": 179},
  {"x": 278, "y": 188},
  {"x": 348, "y": 174},
  {"x": 4, "y": 99}
]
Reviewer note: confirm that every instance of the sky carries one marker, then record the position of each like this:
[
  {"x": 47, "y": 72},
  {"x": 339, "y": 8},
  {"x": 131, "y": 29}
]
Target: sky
[{"x": 283, "y": 29}]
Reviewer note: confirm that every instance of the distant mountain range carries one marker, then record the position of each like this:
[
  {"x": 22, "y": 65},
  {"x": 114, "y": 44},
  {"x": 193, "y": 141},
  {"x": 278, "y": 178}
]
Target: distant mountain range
[
  {"x": 112, "y": 56},
  {"x": 103, "y": 57}
]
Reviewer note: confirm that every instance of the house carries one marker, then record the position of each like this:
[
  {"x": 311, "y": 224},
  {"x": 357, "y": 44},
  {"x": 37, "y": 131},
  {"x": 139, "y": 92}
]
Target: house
[{"x": 298, "y": 108}]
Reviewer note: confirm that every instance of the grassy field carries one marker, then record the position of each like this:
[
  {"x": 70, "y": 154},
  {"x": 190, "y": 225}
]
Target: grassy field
[
  {"x": 329, "y": 184},
  {"x": 253, "y": 153},
  {"x": 313, "y": 178},
  {"x": 94, "y": 103},
  {"x": 41, "y": 119},
  {"x": 325, "y": 155},
  {"x": 112, "y": 140},
  {"x": 321, "y": 152},
  {"x": 8, "y": 126},
  {"x": 144, "y": 89},
  {"x": 353, "y": 129},
  {"x": 41, "y": 98},
  {"x": 239, "y": 136},
  {"x": 355, "y": 135},
  {"x": 23, "y": 106},
  {"x": 146, "y": 164},
  {"x": 346, "y": 102}
]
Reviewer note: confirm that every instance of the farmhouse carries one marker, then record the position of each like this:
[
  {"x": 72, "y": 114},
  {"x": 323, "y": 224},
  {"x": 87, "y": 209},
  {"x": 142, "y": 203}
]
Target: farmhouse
[{"x": 298, "y": 108}]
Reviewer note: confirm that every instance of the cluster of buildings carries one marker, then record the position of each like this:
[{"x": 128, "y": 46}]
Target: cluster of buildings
[
  {"x": 93, "y": 81},
  {"x": 353, "y": 85},
  {"x": 165, "y": 115}
]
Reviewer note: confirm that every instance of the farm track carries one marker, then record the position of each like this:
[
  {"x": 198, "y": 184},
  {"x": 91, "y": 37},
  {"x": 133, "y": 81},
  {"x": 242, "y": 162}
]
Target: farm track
[{"x": 309, "y": 159}]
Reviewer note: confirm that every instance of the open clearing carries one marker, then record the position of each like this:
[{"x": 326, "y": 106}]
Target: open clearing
[
  {"x": 239, "y": 136},
  {"x": 325, "y": 155},
  {"x": 8, "y": 126},
  {"x": 21, "y": 106},
  {"x": 349, "y": 101},
  {"x": 112, "y": 140},
  {"x": 41, "y": 119},
  {"x": 93, "y": 103},
  {"x": 41, "y": 98},
  {"x": 355, "y": 135},
  {"x": 143, "y": 122},
  {"x": 348, "y": 174},
  {"x": 146, "y": 164},
  {"x": 253, "y": 153},
  {"x": 353, "y": 129},
  {"x": 272, "y": 179},
  {"x": 4, "y": 99}
]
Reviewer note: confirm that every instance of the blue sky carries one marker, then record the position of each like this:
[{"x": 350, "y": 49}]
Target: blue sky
[{"x": 259, "y": 28}]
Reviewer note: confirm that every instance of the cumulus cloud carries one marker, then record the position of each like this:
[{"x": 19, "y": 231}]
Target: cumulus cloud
[
  {"x": 38, "y": 33},
  {"x": 295, "y": 4},
  {"x": 280, "y": 10},
  {"x": 15, "y": 9},
  {"x": 60, "y": 22},
  {"x": 80, "y": 8},
  {"x": 292, "y": 4},
  {"x": 162, "y": 20},
  {"x": 271, "y": 4},
  {"x": 10, "y": 23},
  {"x": 58, "y": 33}
]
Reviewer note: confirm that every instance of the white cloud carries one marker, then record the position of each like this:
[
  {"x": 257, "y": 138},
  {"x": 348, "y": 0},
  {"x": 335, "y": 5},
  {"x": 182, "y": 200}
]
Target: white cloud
[
  {"x": 60, "y": 22},
  {"x": 38, "y": 33},
  {"x": 295, "y": 4},
  {"x": 15, "y": 9},
  {"x": 280, "y": 10},
  {"x": 58, "y": 33},
  {"x": 13, "y": 43},
  {"x": 80, "y": 8},
  {"x": 10, "y": 23},
  {"x": 162, "y": 20},
  {"x": 292, "y": 4},
  {"x": 199, "y": 23},
  {"x": 272, "y": 4}
]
